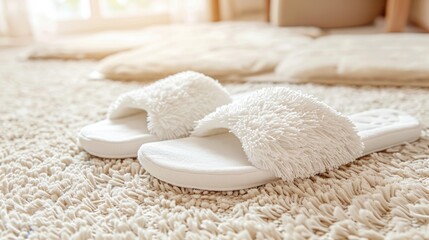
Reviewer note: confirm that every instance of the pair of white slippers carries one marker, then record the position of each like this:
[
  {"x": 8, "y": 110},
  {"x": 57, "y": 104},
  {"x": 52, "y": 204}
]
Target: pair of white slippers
[{"x": 188, "y": 131}]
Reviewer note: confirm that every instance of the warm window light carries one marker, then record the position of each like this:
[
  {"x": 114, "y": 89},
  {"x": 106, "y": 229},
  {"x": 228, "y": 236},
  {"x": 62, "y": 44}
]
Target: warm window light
[
  {"x": 3, "y": 24},
  {"x": 44, "y": 19},
  {"x": 73, "y": 16},
  {"x": 72, "y": 9},
  {"x": 117, "y": 8},
  {"x": 85, "y": 9},
  {"x": 60, "y": 9}
]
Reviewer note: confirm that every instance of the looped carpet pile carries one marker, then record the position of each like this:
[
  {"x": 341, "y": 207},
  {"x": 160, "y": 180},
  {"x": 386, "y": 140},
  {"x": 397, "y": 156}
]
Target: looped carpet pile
[{"x": 50, "y": 188}]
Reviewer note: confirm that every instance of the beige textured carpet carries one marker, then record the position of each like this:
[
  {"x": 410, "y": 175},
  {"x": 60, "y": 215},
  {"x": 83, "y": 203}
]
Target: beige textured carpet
[{"x": 50, "y": 188}]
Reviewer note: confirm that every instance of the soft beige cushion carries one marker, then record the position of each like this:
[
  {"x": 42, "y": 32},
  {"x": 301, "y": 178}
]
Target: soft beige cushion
[
  {"x": 224, "y": 51},
  {"x": 382, "y": 59}
]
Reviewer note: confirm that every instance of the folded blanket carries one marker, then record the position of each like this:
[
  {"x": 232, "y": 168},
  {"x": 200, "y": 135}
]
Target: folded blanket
[
  {"x": 96, "y": 46},
  {"x": 100, "y": 45},
  {"x": 381, "y": 59},
  {"x": 225, "y": 50}
]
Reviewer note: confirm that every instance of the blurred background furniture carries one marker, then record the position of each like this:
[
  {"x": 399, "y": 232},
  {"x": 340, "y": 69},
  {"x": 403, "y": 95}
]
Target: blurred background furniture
[
  {"x": 339, "y": 13},
  {"x": 24, "y": 20},
  {"x": 397, "y": 12},
  {"x": 419, "y": 13},
  {"x": 216, "y": 12},
  {"x": 326, "y": 13}
]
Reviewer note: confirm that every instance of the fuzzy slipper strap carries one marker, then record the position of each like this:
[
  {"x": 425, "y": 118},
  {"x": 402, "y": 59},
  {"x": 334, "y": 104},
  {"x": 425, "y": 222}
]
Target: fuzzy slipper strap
[
  {"x": 172, "y": 104},
  {"x": 286, "y": 132}
]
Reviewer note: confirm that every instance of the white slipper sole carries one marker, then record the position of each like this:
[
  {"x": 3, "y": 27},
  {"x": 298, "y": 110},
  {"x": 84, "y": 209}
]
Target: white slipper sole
[
  {"x": 219, "y": 163},
  {"x": 116, "y": 138}
]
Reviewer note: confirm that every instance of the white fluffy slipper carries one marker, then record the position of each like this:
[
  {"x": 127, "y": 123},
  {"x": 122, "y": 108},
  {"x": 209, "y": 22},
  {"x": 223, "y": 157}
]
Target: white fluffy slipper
[
  {"x": 272, "y": 133},
  {"x": 166, "y": 109}
]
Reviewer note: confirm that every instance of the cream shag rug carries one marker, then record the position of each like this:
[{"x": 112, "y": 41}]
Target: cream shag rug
[{"x": 50, "y": 188}]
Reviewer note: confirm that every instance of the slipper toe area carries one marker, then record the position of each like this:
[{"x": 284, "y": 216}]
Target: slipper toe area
[
  {"x": 213, "y": 163},
  {"x": 117, "y": 138}
]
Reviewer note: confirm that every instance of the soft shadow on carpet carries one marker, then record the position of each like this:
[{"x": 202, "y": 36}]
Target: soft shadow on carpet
[{"x": 50, "y": 188}]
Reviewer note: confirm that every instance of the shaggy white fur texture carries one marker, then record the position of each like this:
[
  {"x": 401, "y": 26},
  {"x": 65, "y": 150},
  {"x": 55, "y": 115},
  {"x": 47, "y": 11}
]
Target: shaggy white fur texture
[
  {"x": 52, "y": 189},
  {"x": 286, "y": 132},
  {"x": 173, "y": 104}
]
